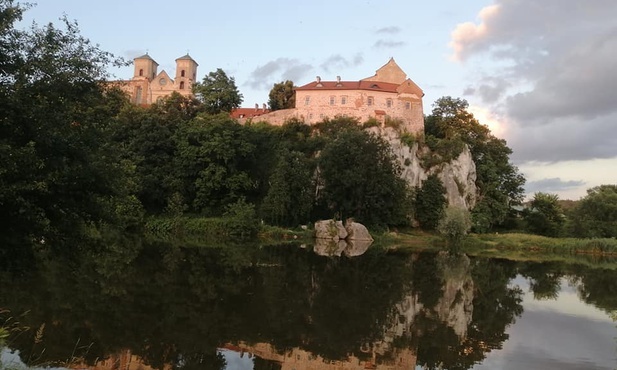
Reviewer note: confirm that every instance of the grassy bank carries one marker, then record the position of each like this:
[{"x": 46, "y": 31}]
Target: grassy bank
[
  {"x": 516, "y": 246},
  {"x": 220, "y": 229}
]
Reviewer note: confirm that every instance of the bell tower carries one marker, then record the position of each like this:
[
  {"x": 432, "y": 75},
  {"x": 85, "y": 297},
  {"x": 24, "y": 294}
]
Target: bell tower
[
  {"x": 186, "y": 74},
  {"x": 145, "y": 67}
]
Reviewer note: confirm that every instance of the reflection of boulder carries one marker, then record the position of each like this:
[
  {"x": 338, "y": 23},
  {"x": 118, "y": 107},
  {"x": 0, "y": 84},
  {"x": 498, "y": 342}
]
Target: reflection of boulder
[
  {"x": 330, "y": 229},
  {"x": 357, "y": 247},
  {"x": 357, "y": 231},
  {"x": 329, "y": 247},
  {"x": 332, "y": 239}
]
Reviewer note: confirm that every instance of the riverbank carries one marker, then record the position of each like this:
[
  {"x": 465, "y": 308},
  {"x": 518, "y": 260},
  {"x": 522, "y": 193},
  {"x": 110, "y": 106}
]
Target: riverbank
[{"x": 513, "y": 246}]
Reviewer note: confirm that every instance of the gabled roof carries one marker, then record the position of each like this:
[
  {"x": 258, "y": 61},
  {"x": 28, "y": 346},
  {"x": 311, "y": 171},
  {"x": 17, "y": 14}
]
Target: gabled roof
[
  {"x": 164, "y": 74},
  {"x": 410, "y": 87},
  {"x": 187, "y": 57},
  {"x": 146, "y": 56},
  {"x": 389, "y": 72},
  {"x": 349, "y": 85}
]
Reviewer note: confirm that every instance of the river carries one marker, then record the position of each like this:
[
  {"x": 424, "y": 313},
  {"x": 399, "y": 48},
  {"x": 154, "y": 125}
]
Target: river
[{"x": 138, "y": 305}]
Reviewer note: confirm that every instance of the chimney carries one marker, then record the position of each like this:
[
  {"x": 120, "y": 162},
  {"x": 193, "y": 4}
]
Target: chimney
[
  {"x": 256, "y": 106},
  {"x": 264, "y": 105},
  {"x": 318, "y": 79},
  {"x": 338, "y": 79}
]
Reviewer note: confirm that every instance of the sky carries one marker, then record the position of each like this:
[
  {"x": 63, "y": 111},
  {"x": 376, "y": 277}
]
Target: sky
[{"x": 540, "y": 74}]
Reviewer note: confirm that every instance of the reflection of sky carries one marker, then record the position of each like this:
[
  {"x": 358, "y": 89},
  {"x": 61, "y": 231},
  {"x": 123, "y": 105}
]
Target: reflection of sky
[
  {"x": 564, "y": 333},
  {"x": 235, "y": 362}
]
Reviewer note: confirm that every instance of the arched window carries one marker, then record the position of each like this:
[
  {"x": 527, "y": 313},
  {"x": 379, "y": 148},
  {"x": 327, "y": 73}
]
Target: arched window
[
  {"x": 182, "y": 73},
  {"x": 141, "y": 72},
  {"x": 181, "y": 85}
]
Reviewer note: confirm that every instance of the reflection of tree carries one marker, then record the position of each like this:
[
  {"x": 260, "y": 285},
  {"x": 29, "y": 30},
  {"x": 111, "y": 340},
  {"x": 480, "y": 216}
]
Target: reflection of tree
[
  {"x": 495, "y": 307},
  {"x": 545, "y": 279},
  {"x": 176, "y": 305}
]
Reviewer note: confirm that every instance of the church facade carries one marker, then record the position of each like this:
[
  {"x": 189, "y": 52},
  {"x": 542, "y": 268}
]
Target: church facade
[{"x": 149, "y": 86}]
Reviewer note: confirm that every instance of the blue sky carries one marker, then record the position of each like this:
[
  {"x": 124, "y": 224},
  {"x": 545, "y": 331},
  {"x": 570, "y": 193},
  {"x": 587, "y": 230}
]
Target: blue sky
[{"x": 540, "y": 74}]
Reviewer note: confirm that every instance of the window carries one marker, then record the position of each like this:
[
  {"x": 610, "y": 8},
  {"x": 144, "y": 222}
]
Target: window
[
  {"x": 389, "y": 103},
  {"x": 182, "y": 73},
  {"x": 332, "y": 100},
  {"x": 370, "y": 101},
  {"x": 343, "y": 100},
  {"x": 307, "y": 100},
  {"x": 141, "y": 72},
  {"x": 181, "y": 85},
  {"x": 407, "y": 105}
]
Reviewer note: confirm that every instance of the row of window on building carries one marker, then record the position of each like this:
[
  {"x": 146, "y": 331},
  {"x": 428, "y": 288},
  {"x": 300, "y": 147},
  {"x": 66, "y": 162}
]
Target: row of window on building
[{"x": 370, "y": 101}]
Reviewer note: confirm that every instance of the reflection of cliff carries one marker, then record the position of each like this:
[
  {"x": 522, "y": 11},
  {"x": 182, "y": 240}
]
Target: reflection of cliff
[
  {"x": 453, "y": 309},
  {"x": 123, "y": 360}
]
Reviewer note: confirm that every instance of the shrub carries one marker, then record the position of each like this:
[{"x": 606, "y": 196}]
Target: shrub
[
  {"x": 454, "y": 225},
  {"x": 408, "y": 139}
]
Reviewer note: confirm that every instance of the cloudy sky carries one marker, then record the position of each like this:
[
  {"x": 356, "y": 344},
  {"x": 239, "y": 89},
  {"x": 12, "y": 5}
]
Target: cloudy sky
[{"x": 540, "y": 74}]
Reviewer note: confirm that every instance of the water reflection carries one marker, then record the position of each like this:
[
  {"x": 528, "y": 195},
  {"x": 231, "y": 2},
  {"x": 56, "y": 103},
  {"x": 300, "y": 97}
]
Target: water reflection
[
  {"x": 332, "y": 248},
  {"x": 153, "y": 305}
]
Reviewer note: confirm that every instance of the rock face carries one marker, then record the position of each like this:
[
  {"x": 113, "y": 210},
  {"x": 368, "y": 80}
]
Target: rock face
[
  {"x": 330, "y": 229},
  {"x": 334, "y": 239},
  {"x": 357, "y": 231},
  {"x": 457, "y": 176}
]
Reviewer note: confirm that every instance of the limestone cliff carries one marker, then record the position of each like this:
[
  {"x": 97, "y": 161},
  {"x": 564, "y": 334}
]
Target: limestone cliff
[{"x": 457, "y": 176}]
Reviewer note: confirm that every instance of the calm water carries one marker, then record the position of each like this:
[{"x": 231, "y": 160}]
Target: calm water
[{"x": 153, "y": 305}]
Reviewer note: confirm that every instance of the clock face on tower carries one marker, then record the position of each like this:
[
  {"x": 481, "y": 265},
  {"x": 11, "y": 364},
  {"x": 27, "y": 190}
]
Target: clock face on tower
[{"x": 162, "y": 81}]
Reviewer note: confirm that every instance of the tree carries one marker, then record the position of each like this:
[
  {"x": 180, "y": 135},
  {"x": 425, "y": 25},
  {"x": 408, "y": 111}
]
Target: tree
[
  {"x": 360, "y": 178},
  {"x": 214, "y": 159},
  {"x": 499, "y": 182},
  {"x": 430, "y": 202},
  {"x": 545, "y": 216},
  {"x": 282, "y": 96},
  {"x": 59, "y": 174},
  {"x": 454, "y": 225},
  {"x": 218, "y": 92},
  {"x": 595, "y": 216},
  {"x": 290, "y": 197}
]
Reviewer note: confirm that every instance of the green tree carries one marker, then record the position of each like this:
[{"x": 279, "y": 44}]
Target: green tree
[
  {"x": 360, "y": 178},
  {"x": 595, "y": 216},
  {"x": 282, "y": 96},
  {"x": 545, "y": 216},
  {"x": 499, "y": 182},
  {"x": 290, "y": 198},
  {"x": 214, "y": 160},
  {"x": 454, "y": 225},
  {"x": 59, "y": 175},
  {"x": 430, "y": 202},
  {"x": 218, "y": 92}
]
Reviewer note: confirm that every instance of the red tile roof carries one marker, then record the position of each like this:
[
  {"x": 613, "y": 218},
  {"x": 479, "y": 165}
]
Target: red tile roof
[
  {"x": 350, "y": 85},
  {"x": 248, "y": 112}
]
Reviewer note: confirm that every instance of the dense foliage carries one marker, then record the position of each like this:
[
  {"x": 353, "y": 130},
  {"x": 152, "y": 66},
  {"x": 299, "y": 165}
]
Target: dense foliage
[
  {"x": 282, "y": 96},
  {"x": 499, "y": 183},
  {"x": 59, "y": 172},
  {"x": 218, "y": 92}
]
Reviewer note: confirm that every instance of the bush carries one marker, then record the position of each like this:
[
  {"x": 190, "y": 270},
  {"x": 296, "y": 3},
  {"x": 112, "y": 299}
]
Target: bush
[
  {"x": 241, "y": 219},
  {"x": 408, "y": 139},
  {"x": 454, "y": 225}
]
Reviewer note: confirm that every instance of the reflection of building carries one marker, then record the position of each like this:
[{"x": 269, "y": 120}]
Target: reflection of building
[
  {"x": 148, "y": 85},
  {"x": 123, "y": 360},
  {"x": 299, "y": 359},
  {"x": 389, "y": 94}
]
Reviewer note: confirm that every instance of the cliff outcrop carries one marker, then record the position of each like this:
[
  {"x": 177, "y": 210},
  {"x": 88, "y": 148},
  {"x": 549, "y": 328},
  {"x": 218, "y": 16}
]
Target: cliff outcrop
[{"x": 458, "y": 176}]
